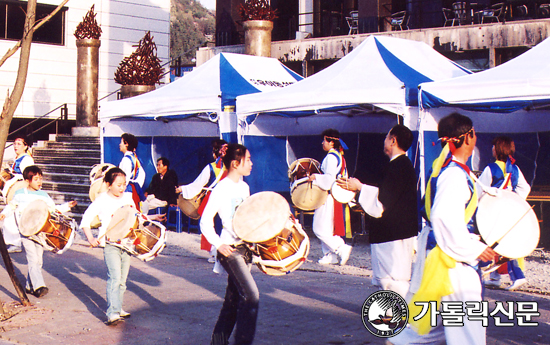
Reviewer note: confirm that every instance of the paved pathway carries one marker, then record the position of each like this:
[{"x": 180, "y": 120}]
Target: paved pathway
[{"x": 176, "y": 299}]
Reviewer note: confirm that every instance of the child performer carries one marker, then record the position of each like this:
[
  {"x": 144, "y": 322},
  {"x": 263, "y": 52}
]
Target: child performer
[
  {"x": 23, "y": 159},
  {"x": 116, "y": 259},
  {"x": 505, "y": 174},
  {"x": 22, "y": 198},
  {"x": 240, "y": 307}
]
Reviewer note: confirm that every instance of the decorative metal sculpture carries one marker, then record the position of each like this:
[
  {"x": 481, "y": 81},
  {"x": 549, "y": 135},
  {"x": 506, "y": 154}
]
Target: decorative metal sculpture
[
  {"x": 88, "y": 28},
  {"x": 257, "y": 10},
  {"x": 142, "y": 67}
]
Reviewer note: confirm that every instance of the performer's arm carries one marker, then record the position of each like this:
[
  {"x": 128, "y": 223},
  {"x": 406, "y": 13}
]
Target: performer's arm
[
  {"x": 126, "y": 166},
  {"x": 484, "y": 180},
  {"x": 85, "y": 224},
  {"x": 26, "y": 162},
  {"x": 327, "y": 178},
  {"x": 447, "y": 218},
  {"x": 207, "y": 219},
  {"x": 523, "y": 188},
  {"x": 194, "y": 188}
]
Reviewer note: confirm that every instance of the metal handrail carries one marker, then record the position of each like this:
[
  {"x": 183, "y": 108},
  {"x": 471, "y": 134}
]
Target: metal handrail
[{"x": 64, "y": 105}]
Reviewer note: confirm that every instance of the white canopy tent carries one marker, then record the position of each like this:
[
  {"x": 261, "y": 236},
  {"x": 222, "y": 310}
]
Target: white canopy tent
[
  {"x": 381, "y": 73},
  {"x": 179, "y": 120}
]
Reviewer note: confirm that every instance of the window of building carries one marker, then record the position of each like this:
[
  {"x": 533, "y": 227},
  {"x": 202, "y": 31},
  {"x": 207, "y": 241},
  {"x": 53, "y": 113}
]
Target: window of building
[{"x": 12, "y": 22}]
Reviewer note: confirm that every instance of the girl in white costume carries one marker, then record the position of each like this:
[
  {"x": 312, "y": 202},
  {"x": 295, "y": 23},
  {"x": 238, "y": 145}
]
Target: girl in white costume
[
  {"x": 240, "y": 307},
  {"x": 116, "y": 259}
]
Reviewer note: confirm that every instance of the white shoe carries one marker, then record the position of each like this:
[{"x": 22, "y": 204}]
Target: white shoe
[
  {"x": 114, "y": 319},
  {"x": 211, "y": 259},
  {"x": 14, "y": 249},
  {"x": 492, "y": 282},
  {"x": 517, "y": 284},
  {"x": 344, "y": 252},
  {"x": 124, "y": 314},
  {"x": 329, "y": 259}
]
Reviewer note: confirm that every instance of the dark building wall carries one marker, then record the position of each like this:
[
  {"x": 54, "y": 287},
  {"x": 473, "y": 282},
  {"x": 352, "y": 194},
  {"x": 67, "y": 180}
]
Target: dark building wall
[{"x": 229, "y": 31}]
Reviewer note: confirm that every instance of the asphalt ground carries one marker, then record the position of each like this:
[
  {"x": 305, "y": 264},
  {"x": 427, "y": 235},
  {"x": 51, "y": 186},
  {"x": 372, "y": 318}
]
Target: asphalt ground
[{"x": 175, "y": 299}]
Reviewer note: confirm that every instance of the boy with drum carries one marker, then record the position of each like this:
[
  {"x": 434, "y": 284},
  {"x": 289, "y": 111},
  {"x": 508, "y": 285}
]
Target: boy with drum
[
  {"x": 505, "y": 174},
  {"x": 328, "y": 220},
  {"x": 240, "y": 307},
  {"x": 116, "y": 258},
  {"x": 34, "y": 251},
  {"x": 23, "y": 159}
]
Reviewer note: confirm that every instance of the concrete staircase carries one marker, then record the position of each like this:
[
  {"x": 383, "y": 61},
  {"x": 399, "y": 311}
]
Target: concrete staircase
[{"x": 66, "y": 164}]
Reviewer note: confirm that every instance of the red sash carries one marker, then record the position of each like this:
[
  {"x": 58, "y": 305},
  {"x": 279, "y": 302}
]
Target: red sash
[{"x": 339, "y": 225}]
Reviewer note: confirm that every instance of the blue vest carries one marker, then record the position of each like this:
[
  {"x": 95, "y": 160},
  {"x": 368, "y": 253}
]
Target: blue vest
[
  {"x": 16, "y": 167},
  {"x": 498, "y": 175}
]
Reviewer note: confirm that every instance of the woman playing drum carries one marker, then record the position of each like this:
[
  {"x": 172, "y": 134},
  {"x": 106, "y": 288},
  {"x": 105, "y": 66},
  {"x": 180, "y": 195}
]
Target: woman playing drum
[
  {"x": 210, "y": 175},
  {"x": 22, "y": 160},
  {"x": 240, "y": 306},
  {"x": 33, "y": 175},
  {"x": 116, "y": 259},
  {"x": 505, "y": 174}
]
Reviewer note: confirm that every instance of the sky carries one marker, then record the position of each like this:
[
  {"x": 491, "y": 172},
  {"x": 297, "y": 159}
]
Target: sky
[{"x": 209, "y": 4}]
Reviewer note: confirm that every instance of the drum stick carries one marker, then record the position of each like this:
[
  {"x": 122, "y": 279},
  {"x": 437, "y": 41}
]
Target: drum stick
[
  {"x": 109, "y": 229},
  {"x": 513, "y": 226}
]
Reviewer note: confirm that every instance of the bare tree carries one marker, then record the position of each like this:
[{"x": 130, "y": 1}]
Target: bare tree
[{"x": 10, "y": 105}]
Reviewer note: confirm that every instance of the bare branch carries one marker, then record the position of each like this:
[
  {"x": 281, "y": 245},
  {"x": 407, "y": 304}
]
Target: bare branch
[{"x": 38, "y": 24}]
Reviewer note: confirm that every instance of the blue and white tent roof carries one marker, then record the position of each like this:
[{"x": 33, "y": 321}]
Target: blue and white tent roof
[
  {"x": 381, "y": 71},
  {"x": 516, "y": 84},
  {"x": 207, "y": 89}
]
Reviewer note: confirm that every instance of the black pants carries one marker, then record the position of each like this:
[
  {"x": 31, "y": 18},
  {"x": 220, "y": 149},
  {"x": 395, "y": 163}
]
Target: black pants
[{"x": 241, "y": 302}]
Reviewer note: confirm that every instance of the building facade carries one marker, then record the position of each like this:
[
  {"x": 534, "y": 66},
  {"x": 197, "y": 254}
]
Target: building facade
[
  {"x": 309, "y": 35},
  {"x": 51, "y": 80}
]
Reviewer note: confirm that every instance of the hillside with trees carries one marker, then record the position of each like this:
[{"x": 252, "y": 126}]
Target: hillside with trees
[{"x": 191, "y": 26}]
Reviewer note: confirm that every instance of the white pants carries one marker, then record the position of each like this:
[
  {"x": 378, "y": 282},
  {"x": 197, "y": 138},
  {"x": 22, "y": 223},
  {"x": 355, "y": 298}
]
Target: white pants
[
  {"x": 34, "y": 252},
  {"x": 391, "y": 265},
  {"x": 467, "y": 287},
  {"x": 323, "y": 227},
  {"x": 11, "y": 231}
]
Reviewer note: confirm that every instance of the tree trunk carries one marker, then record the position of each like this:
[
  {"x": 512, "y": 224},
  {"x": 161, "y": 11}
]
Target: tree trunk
[{"x": 8, "y": 110}]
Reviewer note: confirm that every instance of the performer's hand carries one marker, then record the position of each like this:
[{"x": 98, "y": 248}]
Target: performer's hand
[
  {"x": 311, "y": 177},
  {"x": 487, "y": 255},
  {"x": 157, "y": 217},
  {"x": 72, "y": 203},
  {"x": 225, "y": 250},
  {"x": 178, "y": 190},
  {"x": 351, "y": 184},
  {"x": 93, "y": 242},
  {"x": 2, "y": 216}
]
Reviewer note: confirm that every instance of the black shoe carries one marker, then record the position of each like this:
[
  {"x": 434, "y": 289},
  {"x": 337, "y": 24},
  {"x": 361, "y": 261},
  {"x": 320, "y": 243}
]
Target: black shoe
[
  {"x": 29, "y": 291},
  {"x": 41, "y": 292}
]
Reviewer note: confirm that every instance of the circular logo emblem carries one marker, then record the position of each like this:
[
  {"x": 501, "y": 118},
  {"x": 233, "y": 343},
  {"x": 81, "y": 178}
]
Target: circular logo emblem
[{"x": 385, "y": 313}]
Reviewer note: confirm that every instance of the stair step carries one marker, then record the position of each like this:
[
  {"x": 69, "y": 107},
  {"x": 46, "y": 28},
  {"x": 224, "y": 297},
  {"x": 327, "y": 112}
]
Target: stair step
[
  {"x": 66, "y": 187},
  {"x": 60, "y": 197},
  {"x": 67, "y": 178},
  {"x": 65, "y": 169},
  {"x": 79, "y": 161},
  {"x": 71, "y": 139},
  {"x": 85, "y": 146},
  {"x": 64, "y": 153}
]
